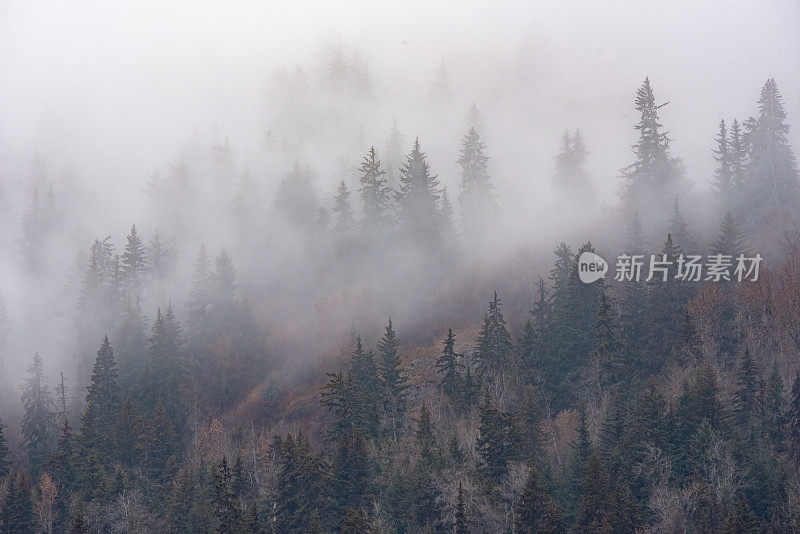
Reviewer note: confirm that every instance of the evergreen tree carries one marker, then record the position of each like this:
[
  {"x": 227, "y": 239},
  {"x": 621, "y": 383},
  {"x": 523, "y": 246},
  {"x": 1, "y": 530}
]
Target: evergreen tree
[
  {"x": 607, "y": 343},
  {"x": 345, "y": 218},
  {"x": 103, "y": 392},
  {"x": 167, "y": 365},
  {"x": 723, "y": 176},
  {"x": 794, "y": 418},
  {"x": 4, "y": 461},
  {"x": 374, "y": 192},
  {"x": 367, "y": 394},
  {"x": 583, "y": 450},
  {"x": 79, "y": 525},
  {"x": 227, "y": 514},
  {"x": 535, "y": 512},
  {"x": 678, "y": 228},
  {"x": 738, "y": 153},
  {"x": 498, "y": 442},
  {"x": 161, "y": 442},
  {"x": 425, "y": 437},
  {"x": 594, "y": 505},
  {"x": 134, "y": 263},
  {"x": 17, "y": 512},
  {"x": 129, "y": 432},
  {"x": 352, "y": 473},
  {"x": 748, "y": 388},
  {"x": 730, "y": 241},
  {"x": 418, "y": 200},
  {"x": 742, "y": 520},
  {"x": 477, "y": 198},
  {"x": 772, "y": 167},
  {"x": 394, "y": 154},
  {"x": 39, "y": 420},
  {"x": 159, "y": 260},
  {"x": 393, "y": 376},
  {"x": 461, "y": 523},
  {"x": 199, "y": 305},
  {"x": 654, "y": 171},
  {"x": 493, "y": 346},
  {"x": 774, "y": 412},
  {"x": 447, "y": 365},
  {"x": 570, "y": 174}
]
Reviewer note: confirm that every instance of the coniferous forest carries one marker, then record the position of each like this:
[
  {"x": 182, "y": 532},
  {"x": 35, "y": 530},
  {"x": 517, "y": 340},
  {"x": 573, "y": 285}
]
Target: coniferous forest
[{"x": 374, "y": 318}]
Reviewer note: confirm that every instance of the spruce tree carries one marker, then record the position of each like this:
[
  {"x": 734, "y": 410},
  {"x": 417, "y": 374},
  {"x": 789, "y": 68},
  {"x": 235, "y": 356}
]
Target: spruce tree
[
  {"x": 199, "y": 305},
  {"x": 607, "y": 344},
  {"x": 772, "y": 167},
  {"x": 167, "y": 365},
  {"x": 367, "y": 394},
  {"x": 418, "y": 200},
  {"x": 731, "y": 241},
  {"x": 738, "y": 154},
  {"x": 393, "y": 377},
  {"x": 345, "y": 218},
  {"x": 447, "y": 365},
  {"x": 4, "y": 461},
  {"x": 655, "y": 171},
  {"x": 425, "y": 438},
  {"x": 461, "y": 523},
  {"x": 498, "y": 442},
  {"x": 794, "y": 419},
  {"x": 103, "y": 392},
  {"x": 134, "y": 263},
  {"x": 535, "y": 512},
  {"x": 476, "y": 198},
  {"x": 594, "y": 504},
  {"x": 679, "y": 229},
  {"x": 159, "y": 260},
  {"x": 39, "y": 420},
  {"x": 748, "y": 392},
  {"x": 723, "y": 176},
  {"x": 227, "y": 514},
  {"x": 17, "y": 516},
  {"x": 374, "y": 193},
  {"x": 352, "y": 473},
  {"x": 493, "y": 346}
]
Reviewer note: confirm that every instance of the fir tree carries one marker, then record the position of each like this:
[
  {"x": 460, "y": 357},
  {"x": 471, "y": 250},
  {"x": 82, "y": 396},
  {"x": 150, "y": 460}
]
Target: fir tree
[
  {"x": 678, "y": 228},
  {"x": 730, "y": 241},
  {"x": 159, "y": 259},
  {"x": 461, "y": 523},
  {"x": 128, "y": 434},
  {"x": 227, "y": 514},
  {"x": 199, "y": 305},
  {"x": 498, "y": 442},
  {"x": 425, "y": 439},
  {"x": 366, "y": 390},
  {"x": 167, "y": 364},
  {"x": 794, "y": 419},
  {"x": 39, "y": 420},
  {"x": 4, "y": 461},
  {"x": 493, "y": 346},
  {"x": 418, "y": 200},
  {"x": 535, "y": 511},
  {"x": 374, "y": 192},
  {"x": 393, "y": 376},
  {"x": 738, "y": 150},
  {"x": 570, "y": 174},
  {"x": 654, "y": 171},
  {"x": 594, "y": 504},
  {"x": 79, "y": 525},
  {"x": 17, "y": 512},
  {"x": 134, "y": 263},
  {"x": 447, "y": 365},
  {"x": 352, "y": 473},
  {"x": 345, "y": 218},
  {"x": 607, "y": 343},
  {"x": 477, "y": 198},
  {"x": 742, "y": 520},
  {"x": 103, "y": 391},
  {"x": 748, "y": 388},
  {"x": 772, "y": 167},
  {"x": 723, "y": 176}
]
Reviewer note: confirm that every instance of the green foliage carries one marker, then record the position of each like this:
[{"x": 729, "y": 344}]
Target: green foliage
[{"x": 39, "y": 420}]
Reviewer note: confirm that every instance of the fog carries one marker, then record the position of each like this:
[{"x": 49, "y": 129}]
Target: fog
[{"x": 99, "y": 100}]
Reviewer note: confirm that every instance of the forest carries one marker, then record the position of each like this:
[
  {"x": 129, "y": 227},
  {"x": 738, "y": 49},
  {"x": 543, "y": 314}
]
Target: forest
[{"x": 335, "y": 343}]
